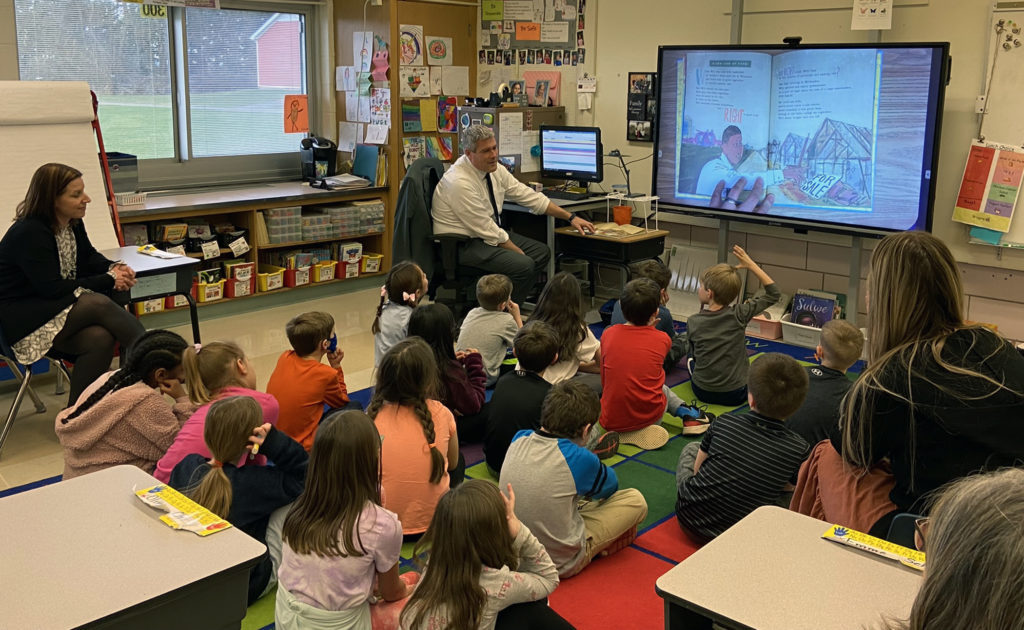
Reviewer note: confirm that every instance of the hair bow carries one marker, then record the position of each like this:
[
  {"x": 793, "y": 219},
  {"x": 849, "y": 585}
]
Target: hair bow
[
  {"x": 384, "y": 291},
  {"x": 198, "y": 347},
  {"x": 408, "y": 296}
]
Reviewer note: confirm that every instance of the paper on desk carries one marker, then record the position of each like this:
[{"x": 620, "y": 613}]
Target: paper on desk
[
  {"x": 182, "y": 512},
  {"x": 151, "y": 250},
  {"x": 851, "y": 538},
  {"x": 348, "y": 136},
  {"x": 511, "y": 140}
]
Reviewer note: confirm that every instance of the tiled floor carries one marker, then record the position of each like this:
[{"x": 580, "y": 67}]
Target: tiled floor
[{"x": 32, "y": 451}]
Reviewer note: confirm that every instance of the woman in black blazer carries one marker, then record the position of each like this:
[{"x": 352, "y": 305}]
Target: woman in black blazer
[{"x": 55, "y": 287}]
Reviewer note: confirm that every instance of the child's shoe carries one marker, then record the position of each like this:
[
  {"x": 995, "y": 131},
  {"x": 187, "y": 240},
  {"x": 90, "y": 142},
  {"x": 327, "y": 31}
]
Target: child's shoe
[
  {"x": 696, "y": 418},
  {"x": 647, "y": 438},
  {"x": 607, "y": 445}
]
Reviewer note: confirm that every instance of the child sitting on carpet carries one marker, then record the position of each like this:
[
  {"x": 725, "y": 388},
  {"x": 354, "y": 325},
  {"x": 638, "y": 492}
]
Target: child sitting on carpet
[
  {"x": 302, "y": 384},
  {"x": 123, "y": 418},
  {"x": 419, "y": 440},
  {"x": 340, "y": 546},
  {"x": 249, "y": 497},
  {"x": 518, "y": 396},
  {"x": 657, "y": 271},
  {"x": 745, "y": 460},
  {"x": 716, "y": 335},
  {"x": 553, "y": 472},
  {"x": 404, "y": 287},
  {"x": 818, "y": 419},
  {"x": 214, "y": 371},
  {"x": 492, "y": 326},
  {"x": 561, "y": 306},
  {"x": 461, "y": 374},
  {"x": 480, "y": 561},
  {"x": 634, "y": 396}
]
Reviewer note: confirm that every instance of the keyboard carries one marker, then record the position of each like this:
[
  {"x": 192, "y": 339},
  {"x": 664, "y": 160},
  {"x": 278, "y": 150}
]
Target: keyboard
[{"x": 567, "y": 195}]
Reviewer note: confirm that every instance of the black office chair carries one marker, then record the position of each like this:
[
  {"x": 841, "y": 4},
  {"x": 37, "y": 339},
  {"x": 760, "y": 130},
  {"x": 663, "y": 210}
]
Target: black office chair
[
  {"x": 437, "y": 254},
  {"x": 23, "y": 374}
]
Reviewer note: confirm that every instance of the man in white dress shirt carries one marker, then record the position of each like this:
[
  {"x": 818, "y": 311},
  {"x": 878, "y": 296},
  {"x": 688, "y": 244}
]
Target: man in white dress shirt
[{"x": 468, "y": 201}]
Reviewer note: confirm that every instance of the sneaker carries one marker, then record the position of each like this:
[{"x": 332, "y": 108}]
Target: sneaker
[
  {"x": 695, "y": 424},
  {"x": 607, "y": 445},
  {"x": 647, "y": 438}
]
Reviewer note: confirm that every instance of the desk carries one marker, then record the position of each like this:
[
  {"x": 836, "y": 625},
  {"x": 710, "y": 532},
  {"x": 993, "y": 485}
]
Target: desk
[
  {"x": 88, "y": 552},
  {"x": 160, "y": 277},
  {"x": 571, "y": 205},
  {"x": 618, "y": 252},
  {"x": 773, "y": 571}
]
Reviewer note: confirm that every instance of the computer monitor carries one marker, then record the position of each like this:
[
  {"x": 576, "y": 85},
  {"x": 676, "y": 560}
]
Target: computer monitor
[{"x": 571, "y": 153}]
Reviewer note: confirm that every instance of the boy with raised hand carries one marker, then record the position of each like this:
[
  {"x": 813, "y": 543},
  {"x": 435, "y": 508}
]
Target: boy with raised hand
[
  {"x": 553, "y": 472},
  {"x": 717, "y": 334},
  {"x": 840, "y": 346},
  {"x": 492, "y": 326},
  {"x": 746, "y": 460},
  {"x": 633, "y": 393},
  {"x": 302, "y": 384}
]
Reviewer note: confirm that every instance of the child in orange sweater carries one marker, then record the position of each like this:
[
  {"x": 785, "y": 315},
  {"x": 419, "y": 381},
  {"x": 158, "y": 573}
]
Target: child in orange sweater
[{"x": 302, "y": 384}]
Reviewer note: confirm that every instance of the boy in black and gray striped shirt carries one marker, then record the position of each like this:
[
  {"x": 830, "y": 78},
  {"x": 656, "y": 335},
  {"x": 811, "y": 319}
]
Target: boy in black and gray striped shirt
[{"x": 745, "y": 460}]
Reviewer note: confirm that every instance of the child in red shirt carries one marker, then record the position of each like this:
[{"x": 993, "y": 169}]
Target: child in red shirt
[
  {"x": 302, "y": 384},
  {"x": 634, "y": 396}
]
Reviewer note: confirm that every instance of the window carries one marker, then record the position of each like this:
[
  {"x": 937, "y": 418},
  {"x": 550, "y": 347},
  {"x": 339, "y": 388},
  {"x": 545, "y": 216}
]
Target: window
[{"x": 196, "y": 94}]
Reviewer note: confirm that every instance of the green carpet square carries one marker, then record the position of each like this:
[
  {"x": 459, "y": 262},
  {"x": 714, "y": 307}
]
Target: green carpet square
[
  {"x": 629, "y": 450},
  {"x": 685, "y": 391},
  {"x": 480, "y": 471},
  {"x": 666, "y": 456},
  {"x": 614, "y": 459},
  {"x": 657, "y": 486}
]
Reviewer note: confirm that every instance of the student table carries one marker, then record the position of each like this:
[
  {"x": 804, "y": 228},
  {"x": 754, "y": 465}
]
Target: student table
[
  {"x": 773, "y": 571},
  {"x": 87, "y": 551}
]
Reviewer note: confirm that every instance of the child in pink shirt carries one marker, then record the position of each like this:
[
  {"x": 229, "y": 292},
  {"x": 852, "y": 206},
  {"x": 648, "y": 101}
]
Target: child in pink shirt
[{"x": 214, "y": 371}]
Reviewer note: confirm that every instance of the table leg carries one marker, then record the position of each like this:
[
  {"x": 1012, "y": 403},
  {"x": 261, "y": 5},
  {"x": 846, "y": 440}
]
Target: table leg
[
  {"x": 193, "y": 313},
  {"x": 679, "y": 618},
  {"x": 551, "y": 246}
]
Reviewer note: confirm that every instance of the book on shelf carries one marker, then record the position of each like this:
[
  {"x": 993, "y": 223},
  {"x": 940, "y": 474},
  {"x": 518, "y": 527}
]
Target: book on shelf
[
  {"x": 260, "y": 234},
  {"x": 346, "y": 181},
  {"x": 775, "y": 311}
]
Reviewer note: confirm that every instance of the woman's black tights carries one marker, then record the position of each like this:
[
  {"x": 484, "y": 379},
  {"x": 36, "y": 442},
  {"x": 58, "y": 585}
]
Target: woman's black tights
[{"x": 93, "y": 325}]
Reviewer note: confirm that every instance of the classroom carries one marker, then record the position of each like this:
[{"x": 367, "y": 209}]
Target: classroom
[{"x": 221, "y": 120}]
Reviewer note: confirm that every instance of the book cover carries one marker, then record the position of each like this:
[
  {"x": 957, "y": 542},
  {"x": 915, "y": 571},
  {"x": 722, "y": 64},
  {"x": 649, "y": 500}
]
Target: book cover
[{"x": 812, "y": 310}]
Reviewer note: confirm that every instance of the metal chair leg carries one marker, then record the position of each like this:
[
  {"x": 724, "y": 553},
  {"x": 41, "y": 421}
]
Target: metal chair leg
[
  {"x": 40, "y": 407},
  {"x": 15, "y": 406},
  {"x": 62, "y": 374}
]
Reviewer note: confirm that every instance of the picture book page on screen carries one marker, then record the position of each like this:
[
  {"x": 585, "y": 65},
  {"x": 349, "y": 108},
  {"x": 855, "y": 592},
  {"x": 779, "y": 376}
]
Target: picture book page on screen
[{"x": 834, "y": 135}]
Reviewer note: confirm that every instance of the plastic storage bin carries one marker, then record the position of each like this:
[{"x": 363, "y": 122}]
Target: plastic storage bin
[
  {"x": 149, "y": 306},
  {"x": 269, "y": 278},
  {"x": 324, "y": 271},
  {"x": 371, "y": 262},
  {"x": 765, "y": 328},
  {"x": 240, "y": 288},
  {"x": 211, "y": 291},
  {"x": 297, "y": 277}
]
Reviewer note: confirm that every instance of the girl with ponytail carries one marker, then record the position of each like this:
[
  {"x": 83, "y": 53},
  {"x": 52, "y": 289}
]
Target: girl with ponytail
[
  {"x": 213, "y": 371},
  {"x": 244, "y": 495},
  {"x": 404, "y": 287},
  {"x": 122, "y": 417},
  {"x": 419, "y": 442}
]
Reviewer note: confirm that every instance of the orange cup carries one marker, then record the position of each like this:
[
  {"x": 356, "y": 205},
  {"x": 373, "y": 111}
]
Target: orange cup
[{"x": 622, "y": 214}]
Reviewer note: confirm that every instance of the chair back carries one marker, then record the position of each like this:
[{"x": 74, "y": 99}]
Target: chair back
[{"x": 413, "y": 237}]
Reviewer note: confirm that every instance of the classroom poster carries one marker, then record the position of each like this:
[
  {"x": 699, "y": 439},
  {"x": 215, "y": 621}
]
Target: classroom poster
[{"x": 990, "y": 186}]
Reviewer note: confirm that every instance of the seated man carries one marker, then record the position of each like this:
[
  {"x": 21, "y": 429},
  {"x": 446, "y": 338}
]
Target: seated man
[{"x": 468, "y": 201}]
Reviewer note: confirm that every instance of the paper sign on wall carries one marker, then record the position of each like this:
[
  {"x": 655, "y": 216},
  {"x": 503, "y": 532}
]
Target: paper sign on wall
[
  {"x": 492, "y": 10},
  {"x": 990, "y": 186},
  {"x": 296, "y": 113},
  {"x": 528, "y": 31},
  {"x": 554, "y": 32},
  {"x": 455, "y": 80}
]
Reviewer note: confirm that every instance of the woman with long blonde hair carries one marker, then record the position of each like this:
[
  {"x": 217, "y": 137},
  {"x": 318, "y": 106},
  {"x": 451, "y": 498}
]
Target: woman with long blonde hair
[
  {"x": 973, "y": 579},
  {"x": 940, "y": 398}
]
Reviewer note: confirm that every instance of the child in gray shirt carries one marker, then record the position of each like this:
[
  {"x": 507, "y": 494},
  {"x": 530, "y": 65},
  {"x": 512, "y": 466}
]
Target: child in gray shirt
[
  {"x": 491, "y": 327},
  {"x": 716, "y": 335}
]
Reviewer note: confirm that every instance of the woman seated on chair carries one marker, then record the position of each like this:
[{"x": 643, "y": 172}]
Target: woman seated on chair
[
  {"x": 55, "y": 288},
  {"x": 940, "y": 398}
]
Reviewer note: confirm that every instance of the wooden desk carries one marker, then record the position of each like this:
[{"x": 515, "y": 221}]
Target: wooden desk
[
  {"x": 608, "y": 250},
  {"x": 573, "y": 205},
  {"x": 773, "y": 571},
  {"x": 88, "y": 552},
  {"x": 160, "y": 277}
]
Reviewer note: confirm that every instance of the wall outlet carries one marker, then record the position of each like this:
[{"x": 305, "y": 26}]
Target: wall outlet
[{"x": 979, "y": 105}]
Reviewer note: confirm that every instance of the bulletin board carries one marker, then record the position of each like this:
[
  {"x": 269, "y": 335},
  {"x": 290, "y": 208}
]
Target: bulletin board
[{"x": 520, "y": 32}]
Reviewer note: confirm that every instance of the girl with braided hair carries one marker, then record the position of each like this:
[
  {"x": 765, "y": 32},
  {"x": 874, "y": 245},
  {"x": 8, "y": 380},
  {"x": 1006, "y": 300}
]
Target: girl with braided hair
[
  {"x": 420, "y": 456},
  {"x": 123, "y": 418}
]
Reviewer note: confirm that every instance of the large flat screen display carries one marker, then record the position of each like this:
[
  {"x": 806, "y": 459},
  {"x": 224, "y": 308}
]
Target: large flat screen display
[{"x": 830, "y": 137}]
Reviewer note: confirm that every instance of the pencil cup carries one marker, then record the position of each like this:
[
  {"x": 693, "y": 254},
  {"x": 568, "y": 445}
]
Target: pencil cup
[{"x": 622, "y": 214}]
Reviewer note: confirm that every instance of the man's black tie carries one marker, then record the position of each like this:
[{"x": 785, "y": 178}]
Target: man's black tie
[{"x": 494, "y": 203}]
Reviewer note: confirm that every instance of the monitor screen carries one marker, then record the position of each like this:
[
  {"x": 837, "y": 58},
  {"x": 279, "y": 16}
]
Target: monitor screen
[
  {"x": 571, "y": 153},
  {"x": 833, "y": 137}
]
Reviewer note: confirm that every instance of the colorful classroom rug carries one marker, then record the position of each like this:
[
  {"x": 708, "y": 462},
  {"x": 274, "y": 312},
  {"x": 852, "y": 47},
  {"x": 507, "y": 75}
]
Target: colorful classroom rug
[{"x": 600, "y": 593}]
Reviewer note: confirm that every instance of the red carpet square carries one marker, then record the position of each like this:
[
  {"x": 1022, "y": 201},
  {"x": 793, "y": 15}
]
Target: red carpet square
[
  {"x": 669, "y": 540},
  {"x": 600, "y": 597}
]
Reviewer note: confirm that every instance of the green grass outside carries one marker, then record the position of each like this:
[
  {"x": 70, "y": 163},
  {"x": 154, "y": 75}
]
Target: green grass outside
[{"x": 222, "y": 123}]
